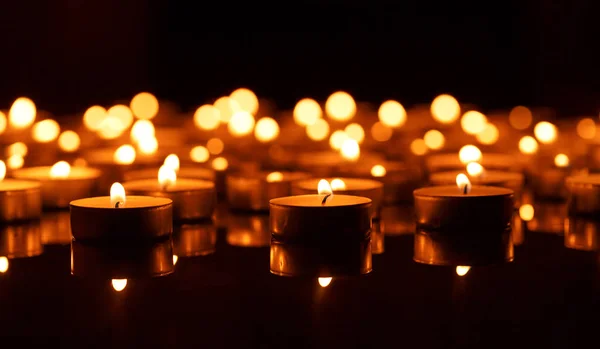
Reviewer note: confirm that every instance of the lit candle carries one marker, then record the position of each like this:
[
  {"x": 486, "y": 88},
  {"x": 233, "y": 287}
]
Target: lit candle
[
  {"x": 322, "y": 235},
  {"x": 121, "y": 217},
  {"x": 19, "y": 200},
  {"x": 61, "y": 183},
  {"x": 470, "y": 153},
  {"x": 468, "y": 225},
  {"x": 192, "y": 198},
  {"x": 253, "y": 191},
  {"x": 348, "y": 186}
]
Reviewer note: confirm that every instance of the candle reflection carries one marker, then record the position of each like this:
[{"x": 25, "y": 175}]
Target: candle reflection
[
  {"x": 119, "y": 284},
  {"x": 462, "y": 270},
  {"x": 3, "y": 264},
  {"x": 325, "y": 281}
]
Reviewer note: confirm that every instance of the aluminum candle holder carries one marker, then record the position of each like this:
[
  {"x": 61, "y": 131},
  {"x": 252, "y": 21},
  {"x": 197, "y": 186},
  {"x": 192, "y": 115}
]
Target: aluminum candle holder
[{"x": 582, "y": 233}]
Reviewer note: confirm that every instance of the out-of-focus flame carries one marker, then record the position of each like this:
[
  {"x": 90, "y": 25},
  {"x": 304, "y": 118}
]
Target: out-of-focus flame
[
  {"x": 307, "y": 111},
  {"x": 61, "y": 169},
  {"x": 111, "y": 127},
  {"x": 45, "y": 131},
  {"x": 318, "y": 131},
  {"x": 378, "y": 171},
  {"x": 586, "y": 128},
  {"x": 324, "y": 282},
  {"x": 545, "y": 132},
  {"x": 561, "y": 160},
  {"x": 69, "y": 141},
  {"x": 526, "y": 212},
  {"x": 469, "y": 153},
  {"x": 166, "y": 177},
  {"x": 356, "y": 132},
  {"x": 266, "y": 129},
  {"x": 207, "y": 117},
  {"x": 3, "y": 264},
  {"x": 22, "y": 113},
  {"x": 246, "y": 99},
  {"x": 117, "y": 195},
  {"x": 2, "y": 170},
  {"x": 144, "y": 105},
  {"x": 220, "y": 163},
  {"x": 17, "y": 148},
  {"x": 274, "y": 177},
  {"x": 473, "y": 122},
  {"x": 350, "y": 150},
  {"x": 142, "y": 129},
  {"x": 528, "y": 145},
  {"x": 324, "y": 188},
  {"x": 241, "y": 124},
  {"x": 489, "y": 135},
  {"x": 340, "y": 106},
  {"x": 199, "y": 154},
  {"x": 463, "y": 183},
  {"x": 3, "y": 122},
  {"x": 123, "y": 113},
  {"x": 434, "y": 139},
  {"x": 392, "y": 114},
  {"x": 336, "y": 139},
  {"x": 418, "y": 147},
  {"x": 338, "y": 184},
  {"x": 93, "y": 117},
  {"x": 124, "y": 155},
  {"x": 226, "y": 106},
  {"x": 445, "y": 109},
  {"x": 172, "y": 162},
  {"x": 520, "y": 117},
  {"x": 215, "y": 146},
  {"x": 462, "y": 270},
  {"x": 380, "y": 132},
  {"x": 148, "y": 145},
  {"x": 15, "y": 161},
  {"x": 474, "y": 169},
  {"x": 119, "y": 284},
  {"x": 175, "y": 259}
]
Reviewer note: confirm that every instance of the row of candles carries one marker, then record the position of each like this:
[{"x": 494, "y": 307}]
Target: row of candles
[{"x": 321, "y": 225}]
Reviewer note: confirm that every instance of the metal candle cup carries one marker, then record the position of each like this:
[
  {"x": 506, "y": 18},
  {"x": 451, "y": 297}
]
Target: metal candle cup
[
  {"x": 319, "y": 235},
  {"x": 19, "y": 200},
  {"x": 584, "y": 195},
  {"x": 582, "y": 233}
]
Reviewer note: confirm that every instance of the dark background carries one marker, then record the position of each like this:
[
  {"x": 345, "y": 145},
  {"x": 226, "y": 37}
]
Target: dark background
[{"x": 69, "y": 54}]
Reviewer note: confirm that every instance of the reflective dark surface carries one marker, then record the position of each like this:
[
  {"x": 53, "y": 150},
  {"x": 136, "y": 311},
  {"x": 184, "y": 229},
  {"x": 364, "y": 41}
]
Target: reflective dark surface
[{"x": 547, "y": 297}]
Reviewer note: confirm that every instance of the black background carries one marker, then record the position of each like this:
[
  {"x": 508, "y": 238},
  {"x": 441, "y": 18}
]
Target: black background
[{"x": 69, "y": 54}]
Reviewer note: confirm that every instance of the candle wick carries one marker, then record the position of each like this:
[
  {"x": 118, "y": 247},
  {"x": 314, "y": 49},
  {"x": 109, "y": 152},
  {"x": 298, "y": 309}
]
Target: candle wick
[
  {"x": 325, "y": 199},
  {"x": 465, "y": 189},
  {"x": 118, "y": 204}
]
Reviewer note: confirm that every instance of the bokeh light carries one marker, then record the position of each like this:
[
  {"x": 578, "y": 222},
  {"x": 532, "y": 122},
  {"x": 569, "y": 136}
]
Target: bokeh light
[
  {"x": 111, "y": 127},
  {"x": 147, "y": 145},
  {"x": 445, "y": 109},
  {"x": 45, "y": 131},
  {"x": 17, "y": 148},
  {"x": 124, "y": 155},
  {"x": 69, "y": 141},
  {"x": 215, "y": 146},
  {"x": 144, "y": 105},
  {"x": 489, "y": 135},
  {"x": 378, "y": 171},
  {"x": 318, "y": 131},
  {"x": 274, "y": 177},
  {"x": 246, "y": 99},
  {"x": 199, "y": 154},
  {"x": 266, "y": 130},
  {"x": 380, "y": 132},
  {"x": 122, "y": 112},
  {"x": 526, "y": 212},
  {"x": 469, "y": 153},
  {"x": 586, "y": 128},
  {"x": 474, "y": 169},
  {"x": 241, "y": 124},
  {"x": 350, "y": 150},
  {"x": 336, "y": 139},
  {"x": 307, "y": 111},
  {"x": 356, "y": 132},
  {"x": 226, "y": 107},
  {"x": 434, "y": 139},
  {"x": 220, "y": 164},
  {"x": 15, "y": 161},
  {"x": 142, "y": 129},
  {"x": 340, "y": 106},
  {"x": 392, "y": 114},
  {"x": 473, "y": 122},
  {"x": 207, "y": 117},
  {"x": 22, "y": 113},
  {"x": 418, "y": 147},
  {"x": 528, "y": 145},
  {"x": 3, "y": 122},
  {"x": 561, "y": 160},
  {"x": 520, "y": 117},
  {"x": 545, "y": 132},
  {"x": 93, "y": 117}
]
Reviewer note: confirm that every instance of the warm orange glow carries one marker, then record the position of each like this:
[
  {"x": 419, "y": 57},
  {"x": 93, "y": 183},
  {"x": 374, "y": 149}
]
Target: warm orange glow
[
  {"x": 3, "y": 122},
  {"x": 142, "y": 129},
  {"x": 324, "y": 282},
  {"x": 226, "y": 107},
  {"x": 528, "y": 145},
  {"x": 61, "y": 169},
  {"x": 586, "y": 128},
  {"x": 199, "y": 154},
  {"x": 340, "y": 106},
  {"x": 392, "y": 114},
  {"x": 15, "y": 162},
  {"x": 380, "y": 132},
  {"x": 241, "y": 124},
  {"x": 45, "y": 131},
  {"x": 22, "y": 113},
  {"x": 469, "y": 153},
  {"x": 418, "y": 147},
  {"x": 220, "y": 163},
  {"x": 124, "y": 155},
  {"x": 215, "y": 146},
  {"x": 144, "y": 105},
  {"x": 119, "y": 284},
  {"x": 148, "y": 145},
  {"x": 356, "y": 132},
  {"x": 266, "y": 130},
  {"x": 93, "y": 117},
  {"x": 246, "y": 99},
  {"x": 561, "y": 160},
  {"x": 307, "y": 111},
  {"x": 545, "y": 132},
  {"x": 324, "y": 188},
  {"x": 489, "y": 135},
  {"x": 526, "y": 212},
  {"x": 474, "y": 169},
  {"x": 69, "y": 141},
  {"x": 434, "y": 139},
  {"x": 111, "y": 127},
  {"x": 378, "y": 171},
  {"x": 274, "y": 177},
  {"x": 3, "y": 264},
  {"x": 2, "y": 170},
  {"x": 520, "y": 117},
  {"x": 338, "y": 184},
  {"x": 462, "y": 270},
  {"x": 172, "y": 162},
  {"x": 473, "y": 122},
  {"x": 123, "y": 113},
  {"x": 117, "y": 195},
  {"x": 175, "y": 259},
  {"x": 336, "y": 139},
  {"x": 166, "y": 176},
  {"x": 350, "y": 150},
  {"x": 80, "y": 162},
  {"x": 463, "y": 183},
  {"x": 207, "y": 117},
  {"x": 318, "y": 131},
  {"x": 17, "y": 148},
  {"x": 445, "y": 109}
]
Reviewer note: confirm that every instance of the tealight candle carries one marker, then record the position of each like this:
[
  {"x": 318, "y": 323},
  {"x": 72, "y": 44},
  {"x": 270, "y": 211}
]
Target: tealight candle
[
  {"x": 582, "y": 233},
  {"x": 348, "y": 186},
  {"x": 121, "y": 217},
  {"x": 197, "y": 239},
  {"x": 584, "y": 195},
  {"x": 61, "y": 183},
  {"x": 19, "y": 200},
  {"x": 468, "y": 225},
  {"x": 192, "y": 198},
  {"x": 21, "y": 240},
  {"x": 323, "y": 235},
  {"x": 253, "y": 191},
  {"x": 548, "y": 182}
]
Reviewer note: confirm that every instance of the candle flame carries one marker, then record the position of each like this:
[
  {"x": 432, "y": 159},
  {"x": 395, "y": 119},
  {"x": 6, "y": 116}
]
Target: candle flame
[
  {"x": 561, "y": 160},
  {"x": 175, "y": 259},
  {"x": 526, "y": 212},
  {"x": 172, "y": 161},
  {"x": 61, "y": 169},
  {"x": 338, "y": 184},
  {"x": 463, "y": 183},
  {"x": 528, "y": 145},
  {"x": 119, "y": 284},
  {"x": 220, "y": 164},
  {"x": 15, "y": 161},
  {"x": 124, "y": 155},
  {"x": 166, "y": 176},
  {"x": 274, "y": 177},
  {"x": 469, "y": 153},
  {"x": 2, "y": 170},
  {"x": 324, "y": 282},
  {"x": 117, "y": 195},
  {"x": 324, "y": 188},
  {"x": 462, "y": 270},
  {"x": 3, "y": 264},
  {"x": 474, "y": 169},
  {"x": 378, "y": 171},
  {"x": 350, "y": 150}
]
